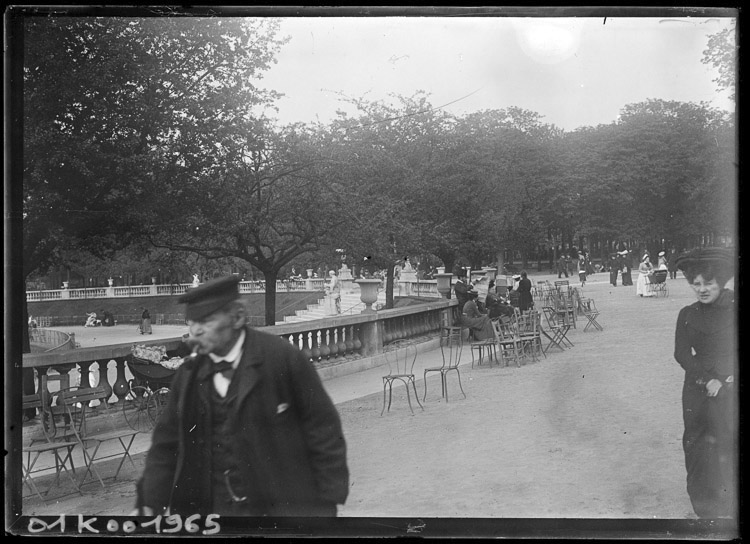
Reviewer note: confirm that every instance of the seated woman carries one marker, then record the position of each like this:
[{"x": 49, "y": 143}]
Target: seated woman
[{"x": 476, "y": 321}]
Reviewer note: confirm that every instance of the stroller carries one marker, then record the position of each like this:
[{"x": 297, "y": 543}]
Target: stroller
[{"x": 149, "y": 389}]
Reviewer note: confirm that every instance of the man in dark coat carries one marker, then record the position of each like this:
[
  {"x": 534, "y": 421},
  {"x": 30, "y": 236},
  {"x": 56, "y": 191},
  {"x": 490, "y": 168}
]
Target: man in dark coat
[
  {"x": 260, "y": 437},
  {"x": 627, "y": 275},
  {"x": 461, "y": 289},
  {"x": 615, "y": 263}
]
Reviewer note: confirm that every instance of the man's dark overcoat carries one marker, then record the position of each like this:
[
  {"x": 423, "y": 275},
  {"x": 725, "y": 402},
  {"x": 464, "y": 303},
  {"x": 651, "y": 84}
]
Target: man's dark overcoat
[{"x": 286, "y": 427}]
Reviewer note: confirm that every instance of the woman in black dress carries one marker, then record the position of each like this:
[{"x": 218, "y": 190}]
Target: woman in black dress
[
  {"x": 706, "y": 347},
  {"x": 525, "y": 300}
]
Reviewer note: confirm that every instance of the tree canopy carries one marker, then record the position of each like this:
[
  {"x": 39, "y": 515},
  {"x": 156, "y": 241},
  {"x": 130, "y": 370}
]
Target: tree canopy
[{"x": 152, "y": 135}]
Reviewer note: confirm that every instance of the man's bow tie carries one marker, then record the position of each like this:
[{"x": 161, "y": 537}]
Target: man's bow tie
[{"x": 225, "y": 367}]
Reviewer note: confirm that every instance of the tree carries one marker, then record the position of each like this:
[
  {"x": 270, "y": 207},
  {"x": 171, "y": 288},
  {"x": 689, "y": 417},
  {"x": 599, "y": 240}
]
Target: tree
[
  {"x": 262, "y": 197},
  {"x": 378, "y": 161},
  {"x": 722, "y": 55},
  {"x": 114, "y": 106}
]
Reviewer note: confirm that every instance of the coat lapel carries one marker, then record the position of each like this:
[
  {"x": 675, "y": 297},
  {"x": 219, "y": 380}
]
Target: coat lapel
[{"x": 248, "y": 372}]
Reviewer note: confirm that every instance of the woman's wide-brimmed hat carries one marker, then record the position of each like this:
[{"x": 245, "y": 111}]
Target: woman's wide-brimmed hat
[{"x": 714, "y": 255}]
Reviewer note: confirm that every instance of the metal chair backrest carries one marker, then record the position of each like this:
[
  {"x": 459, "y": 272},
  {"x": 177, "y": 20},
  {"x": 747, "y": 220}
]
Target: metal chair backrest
[
  {"x": 41, "y": 402},
  {"x": 527, "y": 322},
  {"x": 77, "y": 404},
  {"x": 505, "y": 329},
  {"x": 451, "y": 351},
  {"x": 554, "y": 317},
  {"x": 401, "y": 360}
]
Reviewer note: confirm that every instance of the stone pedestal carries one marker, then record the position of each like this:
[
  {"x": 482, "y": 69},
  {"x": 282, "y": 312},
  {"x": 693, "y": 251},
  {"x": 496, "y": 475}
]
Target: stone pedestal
[
  {"x": 308, "y": 280},
  {"x": 345, "y": 273}
]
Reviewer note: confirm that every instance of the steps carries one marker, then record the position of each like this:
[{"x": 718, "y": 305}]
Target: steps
[{"x": 351, "y": 303}]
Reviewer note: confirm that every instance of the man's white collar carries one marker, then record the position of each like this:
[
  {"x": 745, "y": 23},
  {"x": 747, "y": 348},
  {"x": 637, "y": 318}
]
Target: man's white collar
[{"x": 234, "y": 354}]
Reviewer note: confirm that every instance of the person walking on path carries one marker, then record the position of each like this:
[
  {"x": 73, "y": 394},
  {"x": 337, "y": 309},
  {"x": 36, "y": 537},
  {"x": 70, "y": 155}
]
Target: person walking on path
[
  {"x": 627, "y": 273},
  {"x": 582, "y": 269},
  {"x": 525, "y": 300},
  {"x": 562, "y": 267},
  {"x": 706, "y": 348},
  {"x": 615, "y": 263},
  {"x": 662, "y": 263},
  {"x": 249, "y": 429},
  {"x": 146, "y": 322},
  {"x": 644, "y": 271}
]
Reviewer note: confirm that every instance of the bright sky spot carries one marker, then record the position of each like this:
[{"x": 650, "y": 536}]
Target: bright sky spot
[{"x": 573, "y": 71}]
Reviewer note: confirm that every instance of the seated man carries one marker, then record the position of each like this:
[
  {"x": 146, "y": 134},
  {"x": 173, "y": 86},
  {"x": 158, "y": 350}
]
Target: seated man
[{"x": 496, "y": 305}]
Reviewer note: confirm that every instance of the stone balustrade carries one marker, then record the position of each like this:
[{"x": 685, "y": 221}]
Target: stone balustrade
[
  {"x": 328, "y": 342},
  {"x": 419, "y": 288},
  {"x": 310, "y": 284}
]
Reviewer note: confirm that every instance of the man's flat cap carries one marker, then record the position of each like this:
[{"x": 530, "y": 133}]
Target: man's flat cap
[{"x": 205, "y": 299}]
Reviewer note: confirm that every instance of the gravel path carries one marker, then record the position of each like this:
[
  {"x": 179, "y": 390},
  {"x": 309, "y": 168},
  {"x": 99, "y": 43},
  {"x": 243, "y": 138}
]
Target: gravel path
[{"x": 590, "y": 432}]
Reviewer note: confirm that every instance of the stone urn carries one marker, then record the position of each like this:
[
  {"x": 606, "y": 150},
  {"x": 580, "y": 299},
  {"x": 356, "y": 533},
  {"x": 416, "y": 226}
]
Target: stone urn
[
  {"x": 309, "y": 272},
  {"x": 65, "y": 285},
  {"x": 368, "y": 293},
  {"x": 444, "y": 284},
  {"x": 111, "y": 281}
]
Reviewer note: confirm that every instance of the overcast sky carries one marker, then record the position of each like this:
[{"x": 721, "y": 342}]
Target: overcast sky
[{"x": 573, "y": 71}]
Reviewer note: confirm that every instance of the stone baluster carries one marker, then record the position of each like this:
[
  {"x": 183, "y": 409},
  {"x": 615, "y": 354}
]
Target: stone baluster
[
  {"x": 325, "y": 351},
  {"x": 306, "y": 343},
  {"x": 341, "y": 342},
  {"x": 350, "y": 340},
  {"x": 121, "y": 387},
  {"x": 315, "y": 355},
  {"x": 333, "y": 345},
  {"x": 357, "y": 339}
]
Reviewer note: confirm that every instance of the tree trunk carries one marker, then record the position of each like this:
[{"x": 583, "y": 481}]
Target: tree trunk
[
  {"x": 270, "y": 299},
  {"x": 389, "y": 285},
  {"x": 500, "y": 258}
]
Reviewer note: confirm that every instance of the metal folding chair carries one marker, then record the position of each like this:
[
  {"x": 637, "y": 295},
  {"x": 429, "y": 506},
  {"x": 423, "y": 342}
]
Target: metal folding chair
[
  {"x": 506, "y": 336},
  {"x": 61, "y": 451},
  {"x": 558, "y": 323},
  {"x": 95, "y": 426},
  {"x": 487, "y": 346},
  {"x": 591, "y": 313},
  {"x": 529, "y": 331},
  {"x": 400, "y": 367}
]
